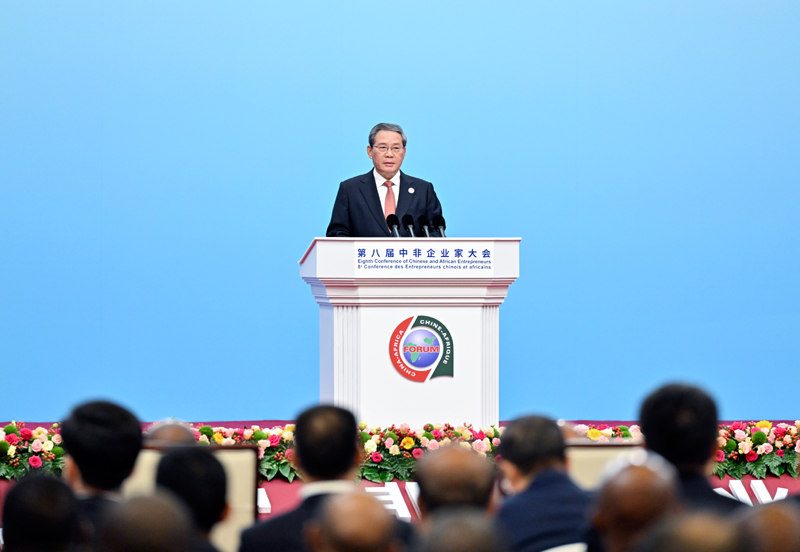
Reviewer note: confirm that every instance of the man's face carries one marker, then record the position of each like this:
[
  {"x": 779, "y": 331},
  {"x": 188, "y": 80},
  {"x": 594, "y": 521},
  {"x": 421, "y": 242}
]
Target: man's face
[{"x": 387, "y": 162}]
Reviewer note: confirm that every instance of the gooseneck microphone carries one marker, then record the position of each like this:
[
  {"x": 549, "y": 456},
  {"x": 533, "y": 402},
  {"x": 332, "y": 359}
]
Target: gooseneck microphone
[
  {"x": 425, "y": 223},
  {"x": 394, "y": 225},
  {"x": 408, "y": 224},
  {"x": 439, "y": 224}
]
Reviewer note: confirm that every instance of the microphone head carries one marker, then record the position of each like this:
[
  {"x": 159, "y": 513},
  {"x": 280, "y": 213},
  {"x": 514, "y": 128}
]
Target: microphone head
[
  {"x": 408, "y": 220},
  {"x": 438, "y": 220},
  {"x": 423, "y": 221},
  {"x": 392, "y": 220}
]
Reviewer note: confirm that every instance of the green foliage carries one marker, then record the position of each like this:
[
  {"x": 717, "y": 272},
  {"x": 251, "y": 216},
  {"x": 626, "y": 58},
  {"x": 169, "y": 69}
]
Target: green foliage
[
  {"x": 58, "y": 452},
  {"x": 4, "y": 446},
  {"x": 730, "y": 445},
  {"x": 365, "y": 437},
  {"x": 759, "y": 438},
  {"x": 259, "y": 436},
  {"x": 207, "y": 431},
  {"x": 11, "y": 428}
]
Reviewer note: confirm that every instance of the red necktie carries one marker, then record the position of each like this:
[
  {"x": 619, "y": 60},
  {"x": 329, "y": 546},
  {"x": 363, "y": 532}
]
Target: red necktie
[{"x": 390, "y": 204}]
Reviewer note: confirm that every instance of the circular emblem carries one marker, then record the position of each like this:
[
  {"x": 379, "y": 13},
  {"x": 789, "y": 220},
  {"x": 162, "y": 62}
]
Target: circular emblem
[{"x": 421, "y": 348}]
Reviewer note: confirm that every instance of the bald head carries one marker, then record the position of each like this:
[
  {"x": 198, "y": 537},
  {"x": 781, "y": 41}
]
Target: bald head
[
  {"x": 157, "y": 523},
  {"x": 452, "y": 477},
  {"x": 170, "y": 433},
  {"x": 631, "y": 501},
  {"x": 773, "y": 527},
  {"x": 698, "y": 532},
  {"x": 353, "y": 522}
]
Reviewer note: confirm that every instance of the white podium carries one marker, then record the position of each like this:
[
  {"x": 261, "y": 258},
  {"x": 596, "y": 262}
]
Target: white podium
[{"x": 409, "y": 328}]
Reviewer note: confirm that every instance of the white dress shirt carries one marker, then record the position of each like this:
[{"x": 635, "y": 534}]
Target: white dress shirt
[{"x": 382, "y": 190}]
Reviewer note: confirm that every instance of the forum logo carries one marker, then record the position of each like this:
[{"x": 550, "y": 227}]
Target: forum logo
[{"x": 421, "y": 348}]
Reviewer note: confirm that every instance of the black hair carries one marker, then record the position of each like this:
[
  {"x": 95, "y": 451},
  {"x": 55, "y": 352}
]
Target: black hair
[
  {"x": 195, "y": 476},
  {"x": 104, "y": 440},
  {"x": 531, "y": 442},
  {"x": 679, "y": 422},
  {"x": 40, "y": 514},
  {"x": 326, "y": 441}
]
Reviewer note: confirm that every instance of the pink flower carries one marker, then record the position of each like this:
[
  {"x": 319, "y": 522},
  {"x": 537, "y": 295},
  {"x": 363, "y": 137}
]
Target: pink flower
[
  {"x": 766, "y": 448},
  {"x": 601, "y": 427},
  {"x": 738, "y": 426},
  {"x": 602, "y": 439},
  {"x": 376, "y": 457},
  {"x": 437, "y": 433},
  {"x": 12, "y": 438},
  {"x": 480, "y": 446},
  {"x": 797, "y": 447},
  {"x": 740, "y": 435},
  {"x": 721, "y": 441},
  {"x": 751, "y": 456},
  {"x": 417, "y": 454},
  {"x": 289, "y": 455},
  {"x": 780, "y": 432},
  {"x": 35, "y": 462},
  {"x": 478, "y": 434},
  {"x": 36, "y": 446},
  {"x": 57, "y": 439},
  {"x": 495, "y": 442},
  {"x": 433, "y": 445},
  {"x": 274, "y": 440},
  {"x": 720, "y": 456},
  {"x": 229, "y": 432},
  {"x": 260, "y": 453},
  {"x": 25, "y": 434},
  {"x": 779, "y": 454},
  {"x": 405, "y": 428},
  {"x": 389, "y": 442},
  {"x": 195, "y": 432}
]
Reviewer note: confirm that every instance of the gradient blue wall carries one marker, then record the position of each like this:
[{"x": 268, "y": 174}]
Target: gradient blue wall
[{"x": 163, "y": 166}]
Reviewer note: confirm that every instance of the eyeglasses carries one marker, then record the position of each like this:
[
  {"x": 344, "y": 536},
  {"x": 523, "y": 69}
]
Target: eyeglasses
[{"x": 384, "y": 149}]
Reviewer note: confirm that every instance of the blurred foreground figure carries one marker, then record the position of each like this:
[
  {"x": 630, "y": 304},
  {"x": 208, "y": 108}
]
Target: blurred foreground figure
[
  {"x": 638, "y": 492},
  {"x": 353, "y": 522},
  {"x": 774, "y": 527},
  {"x": 158, "y": 523},
  {"x": 547, "y": 509},
  {"x": 195, "y": 476},
  {"x": 679, "y": 422},
  {"x": 169, "y": 433},
  {"x": 40, "y": 514},
  {"x": 461, "y": 530},
  {"x": 453, "y": 477},
  {"x": 696, "y": 532}
]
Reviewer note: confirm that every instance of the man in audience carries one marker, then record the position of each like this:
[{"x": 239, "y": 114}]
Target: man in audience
[
  {"x": 461, "y": 530},
  {"x": 102, "y": 441},
  {"x": 195, "y": 476},
  {"x": 352, "y": 522},
  {"x": 40, "y": 514},
  {"x": 637, "y": 493},
  {"x": 169, "y": 433},
  {"x": 679, "y": 422},
  {"x": 695, "y": 532},
  {"x": 158, "y": 523},
  {"x": 774, "y": 527},
  {"x": 547, "y": 509},
  {"x": 453, "y": 476},
  {"x": 327, "y": 452}
]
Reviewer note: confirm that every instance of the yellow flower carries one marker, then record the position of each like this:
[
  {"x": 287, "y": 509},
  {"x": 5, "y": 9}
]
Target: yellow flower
[
  {"x": 289, "y": 427},
  {"x": 218, "y": 438},
  {"x": 407, "y": 443},
  {"x": 764, "y": 423},
  {"x": 594, "y": 434},
  {"x": 288, "y": 435}
]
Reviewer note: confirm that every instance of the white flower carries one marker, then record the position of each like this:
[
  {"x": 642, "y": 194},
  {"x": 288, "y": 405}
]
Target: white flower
[
  {"x": 370, "y": 447},
  {"x": 288, "y": 436},
  {"x": 376, "y": 438},
  {"x": 446, "y": 441},
  {"x": 255, "y": 428},
  {"x": 394, "y": 450},
  {"x": 488, "y": 431},
  {"x": 228, "y": 442},
  {"x": 581, "y": 428},
  {"x": 419, "y": 434},
  {"x": 437, "y": 426},
  {"x": 12, "y": 450},
  {"x": 263, "y": 443},
  {"x": 607, "y": 432},
  {"x": 47, "y": 446},
  {"x": 466, "y": 445}
]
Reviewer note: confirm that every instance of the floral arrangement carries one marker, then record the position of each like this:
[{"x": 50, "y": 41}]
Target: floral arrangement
[
  {"x": 605, "y": 434},
  {"x": 23, "y": 450}
]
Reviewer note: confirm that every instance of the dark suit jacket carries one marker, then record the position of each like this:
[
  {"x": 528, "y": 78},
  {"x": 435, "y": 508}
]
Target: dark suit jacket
[
  {"x": 697, "y": 494},
  {"x": 357, "y": 211},
  {"x": 285, "y": 533},
  {"x": 551, "y": 512}
]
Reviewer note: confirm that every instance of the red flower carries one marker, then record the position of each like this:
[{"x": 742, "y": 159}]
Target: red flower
[
  {"x": 418, "y": 452},
  {"x": 274, "y": 440},
  {"x": 26, "y": 434},
  {"x": 601, "y": 427},
  {"x": 290, "y": 455},
  {"x": 376, "y": 457},
  {"x": 779, "y": 453},
  {"x": 12, "y": 438},
  {"x": 738, "y": 425},
  {"x": 780, "y": 432},
  {"x": 35, "y": 462},
  {"x": 751, "y": 456},
  {"x": 720, "y": 457}
]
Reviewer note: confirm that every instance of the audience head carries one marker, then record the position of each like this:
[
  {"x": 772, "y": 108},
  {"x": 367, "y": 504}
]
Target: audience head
[
  {"x": 638, "y": 492},
  {"x": 40, "y": 514},
  {"x": 169, "y": 433},
  {"x": 679, "y": 422},
  {"x": 696, "y": 532},
  {"x": 453, "y": 476},
  {"x": 195, "y": 476},
  {"x": 774, "y": 527},
  {"x": 461, "y": 530},
  {"x": 352, "y": 522},
  {"x": 326, "y": 443},
  {"x": 529, "y": 445},
  {"x": 158, "y": 523},
  {"x": 102, "y": 440}
]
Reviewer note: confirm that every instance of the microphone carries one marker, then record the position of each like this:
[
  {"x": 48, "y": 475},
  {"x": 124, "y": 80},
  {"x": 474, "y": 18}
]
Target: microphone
[
  {"x": 439, "y": 224},
  {"x": 408, "y": 224},
  {"x": 394, "y": 225},
  {"x": 425, "y": 223}
]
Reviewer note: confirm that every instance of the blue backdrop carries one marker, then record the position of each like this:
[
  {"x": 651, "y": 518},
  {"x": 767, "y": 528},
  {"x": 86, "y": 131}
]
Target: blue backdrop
[{"x": 164, "y": 165}]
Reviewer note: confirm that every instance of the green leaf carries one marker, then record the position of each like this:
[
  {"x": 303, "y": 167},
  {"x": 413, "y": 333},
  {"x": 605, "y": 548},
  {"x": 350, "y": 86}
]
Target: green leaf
[
  {"x": 734, "y": 469},
  {"x": 285, "y": 469},
  {"x": 272, "y": 472},
  {"x": 386, "y": 476},
  {"x": 290, "y": 477},
  {"x": 773, "y": 461},
  {"x": 719, "y": 470}
]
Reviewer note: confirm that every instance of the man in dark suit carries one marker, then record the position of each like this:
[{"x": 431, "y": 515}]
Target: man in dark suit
[
  {"x": 364, "y": 202},
  {"x": 547, "y": 509},
  {"x": 679, "y": 422},
  {"x": 327, "y": 451}
]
